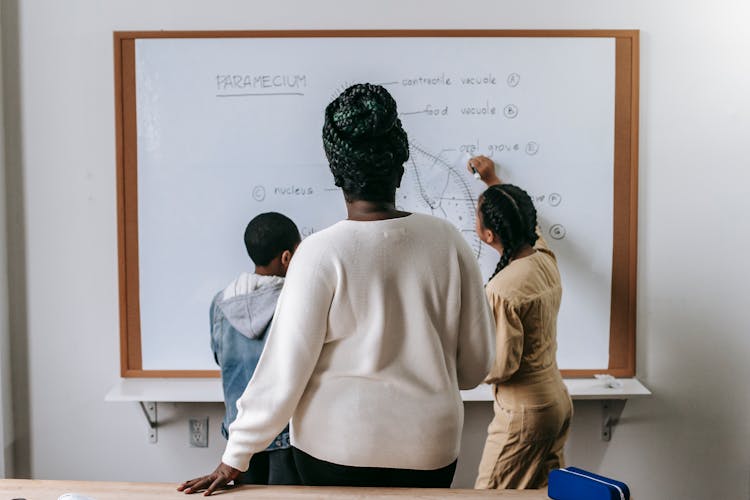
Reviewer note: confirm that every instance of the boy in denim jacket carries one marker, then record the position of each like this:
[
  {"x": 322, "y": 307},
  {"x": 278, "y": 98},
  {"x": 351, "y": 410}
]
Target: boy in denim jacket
[{"x": 240, "y": 317}]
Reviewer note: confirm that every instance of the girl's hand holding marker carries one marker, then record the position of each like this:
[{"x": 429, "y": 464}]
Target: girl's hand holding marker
[{"x": 483, "y": 169}]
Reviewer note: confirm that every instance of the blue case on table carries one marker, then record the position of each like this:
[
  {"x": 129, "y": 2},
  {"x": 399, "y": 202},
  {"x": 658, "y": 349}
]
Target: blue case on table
[{"x": 572, "y": 483}]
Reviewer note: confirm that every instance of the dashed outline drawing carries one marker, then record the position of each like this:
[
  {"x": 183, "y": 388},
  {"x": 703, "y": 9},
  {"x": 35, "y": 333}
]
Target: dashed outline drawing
[{"x": 464, "y": 199}]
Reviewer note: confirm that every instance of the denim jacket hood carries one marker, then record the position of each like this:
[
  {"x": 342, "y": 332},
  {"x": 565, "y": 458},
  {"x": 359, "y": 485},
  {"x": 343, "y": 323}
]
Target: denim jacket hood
[
  {"x": 240, "y": 317},
  {"x": 248, "y": 303}
]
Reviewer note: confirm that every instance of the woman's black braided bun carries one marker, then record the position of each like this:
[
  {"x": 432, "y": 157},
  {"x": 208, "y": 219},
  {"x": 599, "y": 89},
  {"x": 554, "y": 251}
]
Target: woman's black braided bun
[{"x": 364, "y": 142}]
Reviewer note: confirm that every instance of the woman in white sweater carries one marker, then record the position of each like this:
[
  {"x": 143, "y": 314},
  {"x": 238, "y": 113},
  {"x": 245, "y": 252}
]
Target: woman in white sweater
[{"x": 382, "y": 320}]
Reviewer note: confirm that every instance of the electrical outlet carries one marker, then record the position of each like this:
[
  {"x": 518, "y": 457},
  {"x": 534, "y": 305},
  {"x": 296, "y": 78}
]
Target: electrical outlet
[{"x": 198, "y": 432}]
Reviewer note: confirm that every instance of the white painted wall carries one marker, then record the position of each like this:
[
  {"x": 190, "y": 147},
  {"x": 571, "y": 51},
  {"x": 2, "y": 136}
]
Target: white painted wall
[
  {"x": 690, "y": 441},
  {"x": 6, "y": 416}
]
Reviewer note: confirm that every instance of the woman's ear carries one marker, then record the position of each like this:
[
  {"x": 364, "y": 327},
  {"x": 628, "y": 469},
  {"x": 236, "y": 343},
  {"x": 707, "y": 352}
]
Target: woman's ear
[
  {"x": 488, "y": 236},
  {"x": 399, "y": 176}
]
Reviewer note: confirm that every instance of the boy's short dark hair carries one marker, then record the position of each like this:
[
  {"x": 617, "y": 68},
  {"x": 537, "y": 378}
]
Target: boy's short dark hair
[{"x": 268, "y": 235}]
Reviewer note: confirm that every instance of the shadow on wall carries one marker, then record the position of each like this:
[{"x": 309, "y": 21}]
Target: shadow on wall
[
  {"x": 691, "y": 428},
  {"x": 16, "y": 265},
  {"x": 477, "y": 416}
]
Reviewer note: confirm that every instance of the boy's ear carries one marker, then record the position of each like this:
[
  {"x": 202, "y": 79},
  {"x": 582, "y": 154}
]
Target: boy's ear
[{"x": 286, "y": 258}]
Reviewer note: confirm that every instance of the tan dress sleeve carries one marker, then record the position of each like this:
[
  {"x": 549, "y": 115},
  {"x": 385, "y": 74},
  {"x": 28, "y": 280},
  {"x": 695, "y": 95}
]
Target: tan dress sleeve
[{"x": 508, "y": 337}]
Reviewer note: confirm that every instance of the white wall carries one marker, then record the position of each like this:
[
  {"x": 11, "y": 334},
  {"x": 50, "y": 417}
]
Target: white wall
[
  {"x": 6, "y": 416},
  {"x": 690, "y": 441}
]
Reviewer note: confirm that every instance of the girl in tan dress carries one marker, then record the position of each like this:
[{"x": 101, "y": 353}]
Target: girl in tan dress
[{"x": 532, "y": 407}]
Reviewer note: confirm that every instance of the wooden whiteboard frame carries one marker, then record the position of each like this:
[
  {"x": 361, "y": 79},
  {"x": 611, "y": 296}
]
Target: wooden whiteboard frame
[{"x": 625, "y": 214}]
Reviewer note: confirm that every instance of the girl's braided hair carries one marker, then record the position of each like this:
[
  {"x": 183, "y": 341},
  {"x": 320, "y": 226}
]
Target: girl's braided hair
[
  {"x": 365, "y": 143},
  {"x": 508, "y": 211}
]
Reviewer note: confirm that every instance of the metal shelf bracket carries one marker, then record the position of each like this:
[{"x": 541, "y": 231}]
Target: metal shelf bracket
[
  {"x": 611, "y": 411},
  {"x": 149, "y": 411}
]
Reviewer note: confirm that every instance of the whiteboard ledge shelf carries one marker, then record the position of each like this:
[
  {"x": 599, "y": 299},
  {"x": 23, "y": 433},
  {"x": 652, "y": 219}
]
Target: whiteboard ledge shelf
[
  {"x": 167, "y": 390},
  {"x": 208, "y": 390},
  {"x": 579, "y": 388}
]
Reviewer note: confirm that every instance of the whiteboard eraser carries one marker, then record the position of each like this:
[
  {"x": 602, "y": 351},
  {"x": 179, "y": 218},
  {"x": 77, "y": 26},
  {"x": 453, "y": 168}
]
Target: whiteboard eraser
[
  {"x": 73, "y": 496},
  {"x": 610, "y": 382}
]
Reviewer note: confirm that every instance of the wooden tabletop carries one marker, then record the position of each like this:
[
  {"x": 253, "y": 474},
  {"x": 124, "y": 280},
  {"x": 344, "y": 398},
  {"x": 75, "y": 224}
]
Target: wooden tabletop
[{"x": 50, "y": 490}]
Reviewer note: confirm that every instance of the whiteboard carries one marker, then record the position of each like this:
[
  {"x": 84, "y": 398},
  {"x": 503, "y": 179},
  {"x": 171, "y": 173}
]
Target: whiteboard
[{"x": 230, "y": 127}]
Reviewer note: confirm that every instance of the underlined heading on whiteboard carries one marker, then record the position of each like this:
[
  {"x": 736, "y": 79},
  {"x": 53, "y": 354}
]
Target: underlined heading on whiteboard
[
  {"x": 261, "y": 94},
  {"x": 244, "y": 85}
]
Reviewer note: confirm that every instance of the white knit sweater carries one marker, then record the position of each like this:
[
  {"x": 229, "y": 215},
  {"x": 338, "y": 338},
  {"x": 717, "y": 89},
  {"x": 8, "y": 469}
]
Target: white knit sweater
[{"x": 377, "y": 328}]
